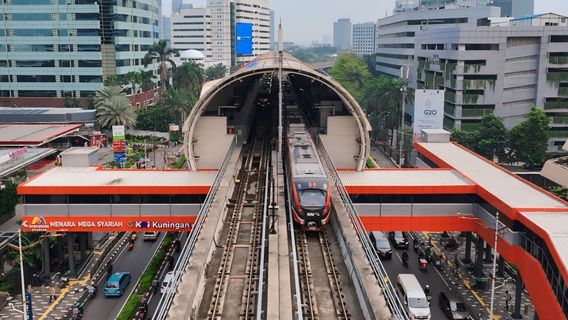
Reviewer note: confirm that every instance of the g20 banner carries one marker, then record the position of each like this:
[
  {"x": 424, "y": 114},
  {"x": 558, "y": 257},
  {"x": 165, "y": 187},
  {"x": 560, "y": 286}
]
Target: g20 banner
[
  {"x": 428, "y": 110},
  {"x": 106, "y": 224}
]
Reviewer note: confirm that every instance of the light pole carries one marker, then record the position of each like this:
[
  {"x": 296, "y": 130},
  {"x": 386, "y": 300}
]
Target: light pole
[
  {"x": 494, "y": 266},
  {"x": 22, "y": 273},
  {"x": 280, "y": 57},
  {"x": 404, "y": 70}
]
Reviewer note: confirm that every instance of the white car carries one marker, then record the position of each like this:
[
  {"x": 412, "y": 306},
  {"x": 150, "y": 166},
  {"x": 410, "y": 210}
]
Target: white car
[
  {"x": 150, "y": 236},
  {"x": 168, "y": 279}
]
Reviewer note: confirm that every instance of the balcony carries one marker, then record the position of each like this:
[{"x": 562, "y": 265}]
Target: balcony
[
  {"x": 469, "y": 127},
  {"x": 551, "y": 105},
  {"x": 479, "y": 83},
  {"x": 563, "y": 91},
  {"x": 557, "y": 76},
  {"x": 559, "y": 120},
  {"x": 449, "y": 109},
  {"x": 476, "y": 112},
  {"x": 450, "y": 96},
  {"x": 558, "y": 133},
  {"x": 470, "y": 98},
  {"x": 558, "y": 59}
]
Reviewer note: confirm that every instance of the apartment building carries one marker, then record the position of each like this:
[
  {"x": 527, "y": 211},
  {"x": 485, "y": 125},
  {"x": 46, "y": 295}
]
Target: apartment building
[{"x": 342, "y": 34}]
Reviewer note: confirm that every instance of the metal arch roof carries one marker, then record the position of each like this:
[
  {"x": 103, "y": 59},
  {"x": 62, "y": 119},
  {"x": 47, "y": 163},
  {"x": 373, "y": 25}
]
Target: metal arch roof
[{"x": 269, "y": 62}]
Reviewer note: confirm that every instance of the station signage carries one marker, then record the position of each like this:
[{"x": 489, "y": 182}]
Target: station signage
[{"x": 106, "y": 224}]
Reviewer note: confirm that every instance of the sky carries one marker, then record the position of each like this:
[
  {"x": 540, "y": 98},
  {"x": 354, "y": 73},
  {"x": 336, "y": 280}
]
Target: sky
[{"x": 304, "y": 21}]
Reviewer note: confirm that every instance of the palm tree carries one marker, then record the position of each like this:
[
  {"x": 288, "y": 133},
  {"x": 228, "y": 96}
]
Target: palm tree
[
  {"x": 147, "y": 79},
  {"x": 113, "y": 108},
  {"x": 132, "y": 79},
  {"x": 161, "y": 53},
  {"x": 189, "y": 76},
  {"x": 179, "y": 101},
  {"x": 215, "y": 72}
]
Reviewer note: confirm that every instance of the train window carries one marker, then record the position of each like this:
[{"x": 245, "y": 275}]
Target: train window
[{"x": 312, "y": 199}]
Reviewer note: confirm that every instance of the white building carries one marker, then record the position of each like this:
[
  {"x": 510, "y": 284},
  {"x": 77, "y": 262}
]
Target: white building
[
  {"x": 363, "y": 38},
  {"x": 501, "y": 69},
  {"x": 225, "y": 31}
]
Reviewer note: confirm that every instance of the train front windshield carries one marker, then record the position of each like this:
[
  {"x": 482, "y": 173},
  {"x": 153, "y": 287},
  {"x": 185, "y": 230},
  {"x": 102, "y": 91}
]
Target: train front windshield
[{"x": 312, "y": 199}]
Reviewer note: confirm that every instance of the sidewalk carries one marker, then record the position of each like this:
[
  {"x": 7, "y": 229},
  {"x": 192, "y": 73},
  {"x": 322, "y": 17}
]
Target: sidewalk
[
  {"x": 480, "y": 299},
  {"x": 68, "y": 296}
]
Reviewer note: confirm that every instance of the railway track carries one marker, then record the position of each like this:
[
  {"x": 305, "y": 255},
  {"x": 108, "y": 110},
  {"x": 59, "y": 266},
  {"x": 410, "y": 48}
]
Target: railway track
[
  {"x": 320, "y": 282},
  {"x": 234, "y": 295}
]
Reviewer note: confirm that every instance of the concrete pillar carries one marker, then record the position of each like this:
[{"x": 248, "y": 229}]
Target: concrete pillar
[
  {"x": 518, "y": 295},
  {"x": 60, "y": 249},
  {"x": 90, "y": 243},
  {"x": 45, "y": 256},
  {"x": 467, "y": 258},
  {"x": 82, "y": 237},
  {"x": 500, "y": 267},
  {"x": 71, "y": 256},
  {"x": 488, "y": 253},
  {"x": 478, "y": 271}
]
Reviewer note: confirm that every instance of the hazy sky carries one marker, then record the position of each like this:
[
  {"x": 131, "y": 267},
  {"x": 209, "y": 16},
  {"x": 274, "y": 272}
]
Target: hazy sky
[{"x": 304, "y": 21}]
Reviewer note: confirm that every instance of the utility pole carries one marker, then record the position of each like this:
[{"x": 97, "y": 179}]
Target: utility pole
[
  {"x": 280, "y": 129},
  {"x": 22, "y": 274},
  {"x": 494, "y": 266},
  {"x": 404, "y": 76}
]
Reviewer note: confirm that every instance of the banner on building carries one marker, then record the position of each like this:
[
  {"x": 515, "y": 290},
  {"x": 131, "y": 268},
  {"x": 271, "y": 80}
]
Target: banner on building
[
  {"x": 106, "y": 224},
  {"x": 428, "y": 110},
  {"x": 244, "y": 38}
]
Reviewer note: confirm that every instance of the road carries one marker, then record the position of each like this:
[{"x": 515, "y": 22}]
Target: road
[
  {"x": 135, "y": 262},
  {"x": 429, "y": 277}
]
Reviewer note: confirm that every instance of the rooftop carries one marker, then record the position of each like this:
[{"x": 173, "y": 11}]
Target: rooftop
[
  {"x": 555, "y": 224},
  {"x": 79, "y": 151},
  {"x": 405, "y": 181},
  {"x": 14, "y": 159},
  {"x": 96, "y": 180},
  {"x": 33, "y": 135},
  {"x": 499, "y": 183}
]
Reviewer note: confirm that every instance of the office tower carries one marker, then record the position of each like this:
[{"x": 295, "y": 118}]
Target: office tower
[{"x": 342, "y": 34}]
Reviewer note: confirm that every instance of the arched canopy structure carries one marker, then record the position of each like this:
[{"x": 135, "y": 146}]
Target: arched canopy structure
[{"x": 227, "y": 105}]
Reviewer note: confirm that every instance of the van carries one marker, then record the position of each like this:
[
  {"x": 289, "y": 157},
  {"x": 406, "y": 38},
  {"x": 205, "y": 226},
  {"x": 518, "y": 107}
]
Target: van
[
  {"x": 381, "y": 244},
  {"x": 116, "y": 284},
  {"x": 413, "y": 296},
  {"x": 168, "y": 279}
]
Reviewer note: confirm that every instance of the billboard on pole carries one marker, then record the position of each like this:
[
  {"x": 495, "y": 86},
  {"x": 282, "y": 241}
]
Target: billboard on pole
[{"x": 428, "y": 110}]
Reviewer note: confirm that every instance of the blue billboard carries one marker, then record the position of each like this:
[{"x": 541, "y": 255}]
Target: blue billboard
[{"x": 244, "y": 38}]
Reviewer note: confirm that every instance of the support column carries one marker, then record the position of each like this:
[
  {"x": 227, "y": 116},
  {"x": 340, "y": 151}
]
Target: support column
[
  {"x": 70, "y": 255},
  {"x": 518, "y": 295},
  {"x": 82, "y": 244},
  {"x": 45, "y": 256},
  {"x": 488, "y": 253},
  {"x": 500, "y": 267},
  {"x": 467, "y": 258},
  {"x": 90, "y": 244},
  {"x": 478, "y": 271}
]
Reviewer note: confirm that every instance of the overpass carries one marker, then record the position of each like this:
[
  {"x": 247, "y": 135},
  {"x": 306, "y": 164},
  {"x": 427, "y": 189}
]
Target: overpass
[{"x": 453, "y": 190}]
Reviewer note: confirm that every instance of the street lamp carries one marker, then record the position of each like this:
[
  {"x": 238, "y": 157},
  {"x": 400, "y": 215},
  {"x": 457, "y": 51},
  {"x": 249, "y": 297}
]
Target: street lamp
[
  {"x": 404, "y": 70},
  {"x": 497, "y": 230},
  {"x": 22, "y": 273}
]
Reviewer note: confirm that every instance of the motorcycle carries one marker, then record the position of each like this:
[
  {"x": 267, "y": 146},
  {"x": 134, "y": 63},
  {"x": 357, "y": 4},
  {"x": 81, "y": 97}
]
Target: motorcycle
[
  {"x": 405, "y": 259},
  {"x": 130, "y": 246},
  {"x": 142, "y": 311}
]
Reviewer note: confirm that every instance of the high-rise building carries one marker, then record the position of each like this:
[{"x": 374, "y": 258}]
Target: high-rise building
[
  {"x": 498, "y": 69},
  {"x": 363, "y": 38},
  {"x": 176, "y": 5},
  {"x": 230, "y": 32},
  {"x": 396, "y": 34},
  {"x": 405, "y": 5},
  {"x": 52, "y": 49},
  {"x": 514, "y": 8},
  {"x": 342, "y": 34},
  {"x": 272, "y": 30}
]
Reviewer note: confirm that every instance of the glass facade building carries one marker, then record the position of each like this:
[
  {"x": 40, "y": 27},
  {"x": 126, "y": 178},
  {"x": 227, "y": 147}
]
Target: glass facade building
[{"x": 65, "y": 48}]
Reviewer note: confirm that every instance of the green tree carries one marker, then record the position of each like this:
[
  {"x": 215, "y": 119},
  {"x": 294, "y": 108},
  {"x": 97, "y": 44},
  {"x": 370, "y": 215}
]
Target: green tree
[
  {"x": 189, "y": 76},
  {"x": 528, "y": 140},
  {"x": 161, "y": 53},
  {"x": 491, "y": 138},
  {"x": 215, "y": 72},
  {"x": 113, "y": 108},
  {"x": 133, "y": 80},
  {"x": 71, "y": 102},
  {"x": 112, "y": 80},
  {"x": 147, "y": 79},
  {"x": 466, "y": 139},
  {"x": 371, "y": 61},
  {"x": 179, "y": 101},
  {"x": 156, "y": 118},
  {"x": 351, "y": 73}
]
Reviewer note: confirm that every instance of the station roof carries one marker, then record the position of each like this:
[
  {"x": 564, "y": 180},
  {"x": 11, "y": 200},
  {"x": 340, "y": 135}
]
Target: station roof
[
  {"x": 511, "y": 190},
  {"x": 33, "y": 135},
  {"x": 405, "y": 181},
  {"x": 96, "y": 180},
  {"x": 555, "y": 224},
  {"x": 46, "y": 115},
  {"x": 10, "y": 164}
]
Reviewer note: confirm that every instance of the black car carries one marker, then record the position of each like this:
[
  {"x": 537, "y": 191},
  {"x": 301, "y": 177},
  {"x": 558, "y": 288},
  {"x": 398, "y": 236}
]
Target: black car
[
  {"x": 452, "y": 306},
  {"x": 399, "y": 239},
  {"x": 381, "y": 244}
]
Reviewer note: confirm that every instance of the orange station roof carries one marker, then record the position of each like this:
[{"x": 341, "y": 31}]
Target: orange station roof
[{"x": 96, "y": 180}]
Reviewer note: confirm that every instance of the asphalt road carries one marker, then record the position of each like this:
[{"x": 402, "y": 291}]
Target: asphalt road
[
  {"x": 429, "y": 277},
  {"x": 135, "y": 261}
]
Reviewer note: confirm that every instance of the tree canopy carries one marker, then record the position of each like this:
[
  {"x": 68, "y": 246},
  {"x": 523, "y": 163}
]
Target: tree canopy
[
  {"x": 528, "y": 139},
  {"x": 351, "y": 73},
  {"x": 215, "y": 72}
]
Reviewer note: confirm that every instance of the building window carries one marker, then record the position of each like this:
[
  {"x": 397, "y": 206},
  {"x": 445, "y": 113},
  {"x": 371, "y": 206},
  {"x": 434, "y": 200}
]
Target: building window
[
  {"x": 90, "y": 79},
  {"x": 37, "y": 93},
  {"x": 33, "y": 32},
  {"x": 35, "y": 63},
  {"x": 90, "y": 63},
  {"x": 35, "y": 78}
]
